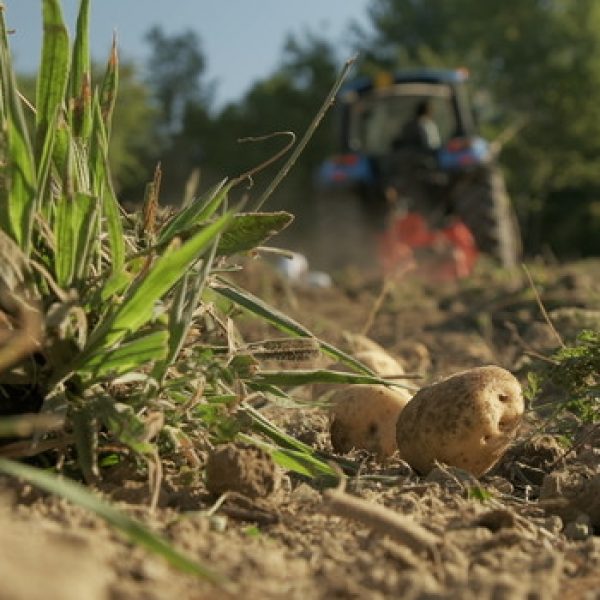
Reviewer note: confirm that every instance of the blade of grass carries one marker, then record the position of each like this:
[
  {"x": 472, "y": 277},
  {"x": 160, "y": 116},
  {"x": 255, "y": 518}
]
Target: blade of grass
[
  {"x": 260, "y": 424},
  {"x": 300, "y": 462},
  {"x": 75, "y": 219},
  {"x": 54, "y": 70},
  {"x": 18, "y": 193},
  {"x": 198, "y": 212},
  {"x": 305, "y": 377},
  {"x": 281, "y": 321},
  {"x": 329, "y": 100},
  {"x": 137, "y": 307},
  {"x": 137, "y": 532},
  {"x": 80, "y": 83},
  {"x": 128, "y": 356},
  {"x": 110, "y": 86},
  {"x": 103, "y": 188}
]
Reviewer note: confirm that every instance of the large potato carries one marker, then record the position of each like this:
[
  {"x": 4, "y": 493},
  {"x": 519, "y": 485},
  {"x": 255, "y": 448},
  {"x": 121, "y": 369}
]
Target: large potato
[
  {"x": 364, "y": 417},
  {"x": 466, "y": 421}
]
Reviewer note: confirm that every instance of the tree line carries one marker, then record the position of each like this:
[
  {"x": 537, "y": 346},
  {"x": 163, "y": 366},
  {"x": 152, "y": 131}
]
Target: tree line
[{"x": 535, "y": 63}]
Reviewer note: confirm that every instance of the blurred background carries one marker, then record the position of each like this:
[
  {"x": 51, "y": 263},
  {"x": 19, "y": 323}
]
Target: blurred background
[{"x": 197, "y": 76}]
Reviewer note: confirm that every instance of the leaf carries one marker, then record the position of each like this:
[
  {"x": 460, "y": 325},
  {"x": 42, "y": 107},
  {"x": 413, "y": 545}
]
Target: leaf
[
  {"x": 80, "y": 84},
  {"x": 133, "y": 529},
  {"x": 110, "y": 85},
  {"x": 85, "y": 428},
  {"x": 138, "y": 305},
  {"x": 54, "y": 70},
  {"x": 250, "y": 230},
  {"x": 103, "y": 188},
  {"x": 281, "y": 321},
  {"x": 128, "y": 356},
  {"x": 195, "y": 214},
  {"x": 304, "y": 463},
  {"x": 304, "y": 377},
  {"x": 17, "y": 167},
  {"x": 122, "y": 422},
  {"x": 74, "y": 228}
]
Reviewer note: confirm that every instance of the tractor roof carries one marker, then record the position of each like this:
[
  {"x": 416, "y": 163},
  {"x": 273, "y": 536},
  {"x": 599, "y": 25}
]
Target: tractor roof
[{"x": 425, "y": 75}]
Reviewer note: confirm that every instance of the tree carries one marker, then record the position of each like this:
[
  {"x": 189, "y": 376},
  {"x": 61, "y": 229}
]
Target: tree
[
  {"x": 538, "y": 59},
  {"x": 174, "y": 72}
]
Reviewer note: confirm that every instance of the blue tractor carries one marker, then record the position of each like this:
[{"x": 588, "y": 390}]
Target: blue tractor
[{"x": 452, "y": 175}]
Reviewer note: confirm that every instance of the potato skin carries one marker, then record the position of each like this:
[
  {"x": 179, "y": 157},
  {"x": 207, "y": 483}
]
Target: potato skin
[
  {"x": 364, "y": 417},
  {"x": 381, "y": 362},
  {"x": 466, "y": 420}
]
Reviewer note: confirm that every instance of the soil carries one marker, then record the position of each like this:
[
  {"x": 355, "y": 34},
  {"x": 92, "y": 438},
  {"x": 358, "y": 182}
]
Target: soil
[{"x": 529, "y": 529}]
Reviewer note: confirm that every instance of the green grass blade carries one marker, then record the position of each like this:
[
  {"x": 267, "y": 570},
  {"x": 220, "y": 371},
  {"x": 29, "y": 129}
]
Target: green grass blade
[
  {"x": 54, "y": 70},
  {"x": 74, "y": 229},
  {"x": 260, "y": 424},
  {"x": 248, "y": 231},
  {"x": 305, "y": 377},
  {"x": 298, "y": 461},
  {"x": 17, "y": 166},
  {"x": 109, "y": 88},
  {"x": 281, "y": 321},
  {"x": 137, "y": 307},
  {"x": 185, "y": 303},
  {"x": 85, "y": 431},
  {"x": 80, "y": 83},
  {"x": 137, "y": 532},
  {"x": 128, "y": 356},
  {"x": 103, "y": 188},
  {"x": 196, "y": 213}
]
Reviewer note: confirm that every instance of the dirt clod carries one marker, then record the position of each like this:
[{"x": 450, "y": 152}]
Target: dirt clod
[{"x": 244, "y": 469}]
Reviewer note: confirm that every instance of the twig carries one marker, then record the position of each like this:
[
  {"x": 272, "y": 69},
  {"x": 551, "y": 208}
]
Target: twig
[
  {"x": 542, "y": 307},
  {"x": 595, "y": 427},
  {"x": 526, "y": 347},
  {"x": 385, "y": 289},
  {"x": 308, "y": 134},
  {"x": 383, "y": 520},
  {"x": 263, "y": 165}
]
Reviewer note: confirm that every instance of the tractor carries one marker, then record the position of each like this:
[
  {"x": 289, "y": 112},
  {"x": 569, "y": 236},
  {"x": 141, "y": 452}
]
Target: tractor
[{"x": 455, "y": 180}]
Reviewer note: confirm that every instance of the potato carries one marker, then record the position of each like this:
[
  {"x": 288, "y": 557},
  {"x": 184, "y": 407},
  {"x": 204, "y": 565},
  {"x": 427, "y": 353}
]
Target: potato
[
  {"x": 381, "y": 362},
  {"x": 357, "y": 342},
  {"x": 466, "y": 421},
  {"x": 364, "y": 417}
]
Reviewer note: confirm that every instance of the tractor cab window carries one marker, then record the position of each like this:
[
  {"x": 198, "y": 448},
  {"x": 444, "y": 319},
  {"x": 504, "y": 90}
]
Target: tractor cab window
[{"x": 379, "y": 119}]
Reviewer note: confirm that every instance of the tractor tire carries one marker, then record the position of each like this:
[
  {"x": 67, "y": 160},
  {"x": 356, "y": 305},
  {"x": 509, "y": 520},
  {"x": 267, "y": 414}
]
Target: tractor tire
[{"x": 483, "y": 204}]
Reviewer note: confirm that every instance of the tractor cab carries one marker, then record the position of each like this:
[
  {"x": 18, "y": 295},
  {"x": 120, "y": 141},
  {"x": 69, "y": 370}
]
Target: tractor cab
[{"x": 374, "y": 113}]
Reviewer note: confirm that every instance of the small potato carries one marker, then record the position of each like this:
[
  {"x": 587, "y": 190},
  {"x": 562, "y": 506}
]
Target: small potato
[
  {"x": 466, "y": 421},
  {"x": 357, "y": 342},
  {"x": 381, "y": 362},
  {"x": 364, "y": 417}
]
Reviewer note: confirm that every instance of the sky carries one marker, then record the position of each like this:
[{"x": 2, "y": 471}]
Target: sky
[{"x": 242, "y": 39}]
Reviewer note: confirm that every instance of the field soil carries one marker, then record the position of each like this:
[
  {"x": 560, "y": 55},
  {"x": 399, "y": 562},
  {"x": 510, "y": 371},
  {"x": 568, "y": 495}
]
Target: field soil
[{"x": 529, "y": 529}]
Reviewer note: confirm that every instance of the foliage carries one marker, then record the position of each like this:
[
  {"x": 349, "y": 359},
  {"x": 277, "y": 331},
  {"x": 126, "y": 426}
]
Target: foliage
[
  {"x": 98, "y": 305},
  {"x": 283, "y": 101},
  {"x": 574, "y": 370},
  {"x": 577, "y": 372},
  {"x": 534, "y": 60}
]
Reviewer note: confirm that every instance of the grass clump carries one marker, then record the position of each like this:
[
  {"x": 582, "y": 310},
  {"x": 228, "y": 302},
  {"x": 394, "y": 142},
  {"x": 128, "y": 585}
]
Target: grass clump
[
  {"x": 565, "y": 389},
  {"x": 98, "y": 307}
]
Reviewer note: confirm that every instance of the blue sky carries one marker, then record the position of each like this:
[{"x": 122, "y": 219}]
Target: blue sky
[{"x": 242, "y": 39}]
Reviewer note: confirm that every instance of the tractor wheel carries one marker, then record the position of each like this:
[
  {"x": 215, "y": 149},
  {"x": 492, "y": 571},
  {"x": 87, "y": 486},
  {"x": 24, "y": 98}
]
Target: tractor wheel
[{"x": 483, "y": 204}]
